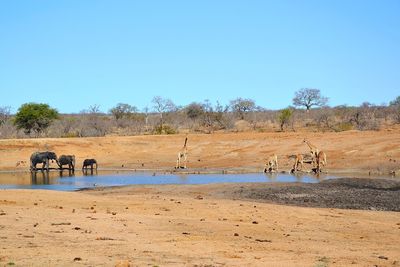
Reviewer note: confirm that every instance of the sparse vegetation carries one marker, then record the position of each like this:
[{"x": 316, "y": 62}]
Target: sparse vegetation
[
  {"x": 284, "y": 117},
  {"x": 204, "y": 117}
]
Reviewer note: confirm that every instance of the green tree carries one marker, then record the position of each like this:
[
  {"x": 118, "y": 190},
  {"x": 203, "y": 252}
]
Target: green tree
[
  {"x": 33, "y": 117},
  {"x": 122, "y": 110},
  {"x": 194, "y": 110},
  {"x": 284, "y": 117},
  {"x": 240, "y": 106}
]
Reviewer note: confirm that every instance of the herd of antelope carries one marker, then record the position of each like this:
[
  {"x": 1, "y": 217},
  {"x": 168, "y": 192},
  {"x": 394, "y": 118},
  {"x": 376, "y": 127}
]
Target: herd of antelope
[{"x": 316, "y": 157}]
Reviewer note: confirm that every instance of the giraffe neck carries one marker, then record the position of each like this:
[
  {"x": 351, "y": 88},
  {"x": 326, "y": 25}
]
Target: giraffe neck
[
  {"x": 184, "y": 146},
  {"x": 312, "y": 147}
]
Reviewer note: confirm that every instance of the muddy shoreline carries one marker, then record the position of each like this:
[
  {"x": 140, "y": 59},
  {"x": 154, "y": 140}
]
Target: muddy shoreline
[
  {"x": 342, "y": 193},
  {"x": 378, "y": 194}
]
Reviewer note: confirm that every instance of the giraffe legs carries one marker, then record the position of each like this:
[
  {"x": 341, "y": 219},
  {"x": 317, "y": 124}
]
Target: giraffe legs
[{"x": 179, "y": 161}]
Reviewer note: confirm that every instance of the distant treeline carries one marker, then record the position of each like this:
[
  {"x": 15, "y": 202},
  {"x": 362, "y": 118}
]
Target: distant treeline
[{"x": 309, "y": 111}]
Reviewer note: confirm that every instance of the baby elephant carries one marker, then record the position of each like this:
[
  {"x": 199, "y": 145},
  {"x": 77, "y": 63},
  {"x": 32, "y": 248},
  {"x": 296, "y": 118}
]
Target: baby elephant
[
  {"x": 89, "y": 162},
  {"x": 67, "y": 160}
]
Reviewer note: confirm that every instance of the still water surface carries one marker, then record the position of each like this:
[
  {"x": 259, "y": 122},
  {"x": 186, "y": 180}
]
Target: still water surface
[{"x": 66, "y": 181}]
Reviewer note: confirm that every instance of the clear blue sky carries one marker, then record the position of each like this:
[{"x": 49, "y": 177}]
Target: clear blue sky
[{"x": 76, "y": 53}]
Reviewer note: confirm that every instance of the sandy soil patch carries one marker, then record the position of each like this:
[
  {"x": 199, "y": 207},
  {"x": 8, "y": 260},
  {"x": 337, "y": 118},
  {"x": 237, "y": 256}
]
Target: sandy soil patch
[{"x": 187, "y": 225}]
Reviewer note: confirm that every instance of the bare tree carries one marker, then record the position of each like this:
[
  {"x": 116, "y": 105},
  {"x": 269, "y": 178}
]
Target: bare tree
[
  {"x": 5, "y": 114},
  {"x": 364, "y": 117},
  {"x": 162, "y": 106},
  {"x": 308, "y": 97},
  {"x": 325, "y": 119},
  {"x": 7, "y": 128},
  {"x": 93, "y": 123}
]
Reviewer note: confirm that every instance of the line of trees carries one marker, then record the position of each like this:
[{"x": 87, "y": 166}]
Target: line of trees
[{"x": 309, "y": 110}]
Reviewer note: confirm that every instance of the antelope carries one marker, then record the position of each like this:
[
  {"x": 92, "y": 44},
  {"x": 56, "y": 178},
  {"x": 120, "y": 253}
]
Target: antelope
[
  {"x": 272, "y": 164},
  {"x": 299, "y": 159},
  {"x": 321, "y": 160}
]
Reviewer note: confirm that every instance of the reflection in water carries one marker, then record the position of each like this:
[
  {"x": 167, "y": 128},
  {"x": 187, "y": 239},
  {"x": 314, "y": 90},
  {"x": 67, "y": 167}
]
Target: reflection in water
[
  {"x": 40, "y": 178},
  {"x": 71, "y": 173},
  {"x": 90, "y": 172},
  {"x": 271, "y": 176},
  {"x": 68, "y": 180},
  {"x": 183, "y": 178}
]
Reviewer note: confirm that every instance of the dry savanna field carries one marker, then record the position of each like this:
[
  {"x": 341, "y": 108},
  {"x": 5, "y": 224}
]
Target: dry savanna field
[
  {"x": 197, "y": 225},
  {"x": 354, "y": 151}
]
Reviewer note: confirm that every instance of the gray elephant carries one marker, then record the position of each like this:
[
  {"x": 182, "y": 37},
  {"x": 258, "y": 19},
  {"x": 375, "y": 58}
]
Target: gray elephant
[
  {"x": 42, "y": 157},
  {"x": 89, "y": 162},
  {"x": 67, "y": 160}
]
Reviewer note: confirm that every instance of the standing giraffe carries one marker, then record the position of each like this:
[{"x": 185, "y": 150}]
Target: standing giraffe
[
  {"x": 313, "y": 150},
  {"x": 182, "y": 155}
]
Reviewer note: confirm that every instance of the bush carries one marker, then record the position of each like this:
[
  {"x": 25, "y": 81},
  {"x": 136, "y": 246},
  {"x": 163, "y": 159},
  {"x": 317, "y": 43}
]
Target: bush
[
  {"x": 344, "y": 126},
  {"x": 284, "y": 117},
  {"x": 164, "y": 129}
]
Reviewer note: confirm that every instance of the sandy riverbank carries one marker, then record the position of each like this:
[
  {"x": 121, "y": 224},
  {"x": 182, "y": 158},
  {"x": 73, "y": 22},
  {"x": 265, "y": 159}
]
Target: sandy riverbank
[{"x": 352, "y": 151}]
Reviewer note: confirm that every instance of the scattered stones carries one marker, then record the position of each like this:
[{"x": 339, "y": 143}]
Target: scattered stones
[
  {"x": 36, "y": 224},
  {"x": 62, "y": 223},
  {"x": 383, "y": 257},
  {"x": 77, "y": 259},
  {"x": 104, "y": 238},
  {"x": 235, "y": 234},
  {"x": 254, "y": 222},
  {"x": 113, "y": 213},
  {"x": 77, "y": 228},
  {"x": 185, "y": 233},
  {"x": 263, "y": 240}
]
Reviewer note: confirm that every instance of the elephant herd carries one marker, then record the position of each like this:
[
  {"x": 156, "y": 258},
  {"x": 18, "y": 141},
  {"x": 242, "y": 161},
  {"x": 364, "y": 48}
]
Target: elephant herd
[{"x": 47, "y": 156}]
